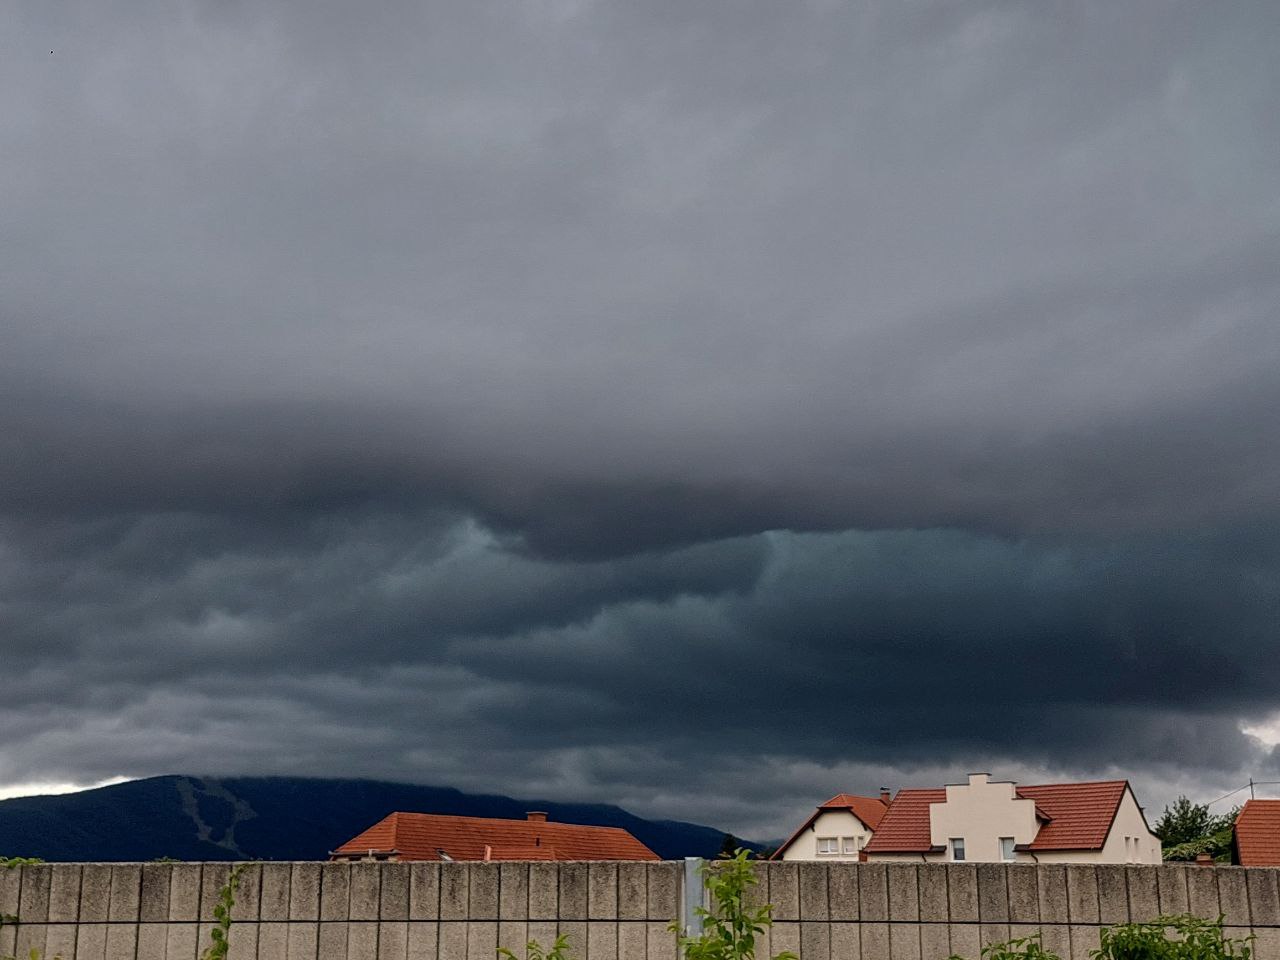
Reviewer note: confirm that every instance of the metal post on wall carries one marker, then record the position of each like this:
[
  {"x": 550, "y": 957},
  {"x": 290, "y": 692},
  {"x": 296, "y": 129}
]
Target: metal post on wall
[{"x": 695, "y": 896}]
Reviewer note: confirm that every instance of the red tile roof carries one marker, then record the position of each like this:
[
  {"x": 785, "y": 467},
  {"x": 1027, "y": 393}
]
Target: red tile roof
[
  {"x": 1074, "y": 816},
  {"x": 420, "y": 836},
  {"x": 904, "y": 828},
  {"x": 867, "y": 809},
  {"x": 1258, "y": 834},
  {"x": 1080, "y": 814}
]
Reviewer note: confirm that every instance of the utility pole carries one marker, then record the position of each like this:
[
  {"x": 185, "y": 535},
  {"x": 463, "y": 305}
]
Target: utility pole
[{"x": 1251, "y": 796}]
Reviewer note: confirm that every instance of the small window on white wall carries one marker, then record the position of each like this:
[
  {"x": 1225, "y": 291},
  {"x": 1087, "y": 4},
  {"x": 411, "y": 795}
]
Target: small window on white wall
[
  {"x": 851, "y": 844},
  {"x": 1006, "y": 848},
  {"x": 957, "y": 848},
  {"x": 828, "y": 845}
]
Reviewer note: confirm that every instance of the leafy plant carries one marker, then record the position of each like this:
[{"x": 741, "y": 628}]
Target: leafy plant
[
  {"x": 1188, "y": 829},
  {"x": 1181, "y": 937},
  {"x": 1193, "y": 939},
  {"x": 217, "y": 949},
  {"x": 12, "y": 862},
  {"x": 534, "y": 951},
  {"x": 1023, "y": 948},
  {"x": 730, "y": 927}
]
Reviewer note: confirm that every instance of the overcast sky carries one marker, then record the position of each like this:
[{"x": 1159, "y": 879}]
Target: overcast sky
[{"x": 700, "y": 405}]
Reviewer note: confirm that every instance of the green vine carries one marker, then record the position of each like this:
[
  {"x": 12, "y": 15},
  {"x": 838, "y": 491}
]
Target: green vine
[{"x": 217, "y": 949}]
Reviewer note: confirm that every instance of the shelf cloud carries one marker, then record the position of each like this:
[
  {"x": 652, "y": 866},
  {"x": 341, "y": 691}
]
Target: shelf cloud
[{"x": 705, "y": 407}]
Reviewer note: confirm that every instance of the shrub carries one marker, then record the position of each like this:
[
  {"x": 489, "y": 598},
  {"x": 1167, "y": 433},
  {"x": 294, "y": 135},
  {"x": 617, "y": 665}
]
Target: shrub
[
  {"x": 1024, "y": 948},
  {"x": 1193, "y": 939},
  {"x": 534, "y": 951},
  {"x": 1182, "y": 937},
  {"x": 730, "y": 927}
]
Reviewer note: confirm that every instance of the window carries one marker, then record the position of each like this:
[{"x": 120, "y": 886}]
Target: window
[
  {"x": 828, "y": 845},
  {"x": 1006, "y": 848},
  {"x": 957, "y": 848},
  {"x": 850, "y": 844}
]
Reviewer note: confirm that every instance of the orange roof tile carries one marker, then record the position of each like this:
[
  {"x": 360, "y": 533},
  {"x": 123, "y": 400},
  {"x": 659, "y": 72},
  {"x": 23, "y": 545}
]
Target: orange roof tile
[
  {"x": 1080, "y": 814},
  {"x": 1074, "y": 816},
  {"x": 420, "y": 836},
  {"x": 867, "y": 809},
  {"x": 1258, "y": 834},
  {"x": 904, "y": 828}
]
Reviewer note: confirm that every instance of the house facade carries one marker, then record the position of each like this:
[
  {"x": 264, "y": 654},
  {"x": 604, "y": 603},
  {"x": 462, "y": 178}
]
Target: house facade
[
  {"x": 839, "y": 829},
  {"x": 985, "y": 820}
]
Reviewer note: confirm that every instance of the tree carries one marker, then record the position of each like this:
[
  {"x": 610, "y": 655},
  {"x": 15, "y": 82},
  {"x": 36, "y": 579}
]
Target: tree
[
  {"x": 1188, "y": 829},
  {"x": 728, "y": 846}
]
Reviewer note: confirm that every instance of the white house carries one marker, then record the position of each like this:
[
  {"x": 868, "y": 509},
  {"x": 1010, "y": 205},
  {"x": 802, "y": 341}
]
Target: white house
[
  {"x": 989, "y": 820},
  {"x": 838, "y": 830}
]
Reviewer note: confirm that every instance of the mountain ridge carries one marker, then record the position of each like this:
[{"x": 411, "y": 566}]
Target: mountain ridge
[{"x": 276, "y": 818}]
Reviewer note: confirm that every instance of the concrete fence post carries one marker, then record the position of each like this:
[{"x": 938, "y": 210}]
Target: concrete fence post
[{"x": 694, "y": 896}]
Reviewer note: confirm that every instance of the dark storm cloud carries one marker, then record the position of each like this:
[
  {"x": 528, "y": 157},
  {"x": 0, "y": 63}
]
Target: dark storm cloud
[{"x": 421, "y": 381}]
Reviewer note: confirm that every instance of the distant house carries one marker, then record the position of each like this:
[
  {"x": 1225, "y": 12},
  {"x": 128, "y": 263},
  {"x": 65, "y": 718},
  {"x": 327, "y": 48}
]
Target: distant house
[
  {"x": 838, "y": 830},
  {"x": 428, "y": 836},
  {"x": 990, "y": 820},
  {"x": 1257, "y": 834}
]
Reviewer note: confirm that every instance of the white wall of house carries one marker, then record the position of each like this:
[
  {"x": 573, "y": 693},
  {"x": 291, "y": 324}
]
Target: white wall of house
[
  {"x": 980, "y": 813},
  {"x": 848, "y": 833}
]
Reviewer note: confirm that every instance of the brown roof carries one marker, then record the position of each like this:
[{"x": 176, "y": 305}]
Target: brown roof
[
  {"x": 1080, "y": 814},
  {"x": 1258, "y": 834},
  {"x": 904, "y": 828},
  {"x": 421, "y": 836},
  {"x": 1074, "y": 816},
  {"x": 867, "y": 809}
]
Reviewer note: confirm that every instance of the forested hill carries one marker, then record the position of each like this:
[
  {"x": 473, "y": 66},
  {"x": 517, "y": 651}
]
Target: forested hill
[{"x": 274, "y": 818}]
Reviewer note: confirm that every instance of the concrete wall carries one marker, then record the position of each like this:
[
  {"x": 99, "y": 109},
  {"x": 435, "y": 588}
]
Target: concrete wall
[{"x": 611, "y": 911}]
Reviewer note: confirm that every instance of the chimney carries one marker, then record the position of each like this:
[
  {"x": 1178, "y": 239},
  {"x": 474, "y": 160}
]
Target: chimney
[
  {"x": 537, "y": 816},
  {"x": 885, "y": 796}
]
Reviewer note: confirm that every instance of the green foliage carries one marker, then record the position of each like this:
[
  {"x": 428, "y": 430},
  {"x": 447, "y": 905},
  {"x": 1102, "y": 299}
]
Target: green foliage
[
  {"x": 12, "y": 863},
  {"x": 730, "y": 927},
  {"x": 1193, "y": 939},
  {"x": 217, "y": 949},
  {"x": 1182, "y": 937},
  {"x": 1024, "y": 948},
  {"x": 1188, "y": 829},
  {"x": 534, "y": 950},
  {"x": 1217, "y": 845}
]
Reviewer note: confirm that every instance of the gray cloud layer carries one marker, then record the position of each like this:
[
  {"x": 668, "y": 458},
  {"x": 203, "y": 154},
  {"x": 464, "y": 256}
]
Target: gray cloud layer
[{"x": 387, "y": 388}]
